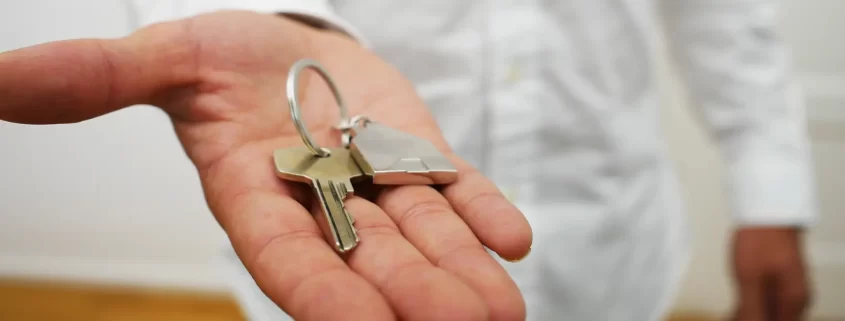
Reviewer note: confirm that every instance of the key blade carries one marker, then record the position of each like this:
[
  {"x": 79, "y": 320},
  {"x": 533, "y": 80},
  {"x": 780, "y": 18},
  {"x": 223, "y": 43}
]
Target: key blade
[
  {"x": 394, "y": 157},
  {"x": 331, "y": 180},
  {"x": 340, "y": 223}
]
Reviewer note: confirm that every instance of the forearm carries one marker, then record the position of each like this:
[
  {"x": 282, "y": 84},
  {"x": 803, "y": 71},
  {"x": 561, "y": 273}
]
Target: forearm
[{"x": 738, "y": 73}]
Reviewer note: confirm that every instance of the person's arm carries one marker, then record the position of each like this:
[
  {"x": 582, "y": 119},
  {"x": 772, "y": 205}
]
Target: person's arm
[
  {"x": 738, "y": 74},
  {"x": 220, "y": 78},
  {"x": 316, "y": 13}
]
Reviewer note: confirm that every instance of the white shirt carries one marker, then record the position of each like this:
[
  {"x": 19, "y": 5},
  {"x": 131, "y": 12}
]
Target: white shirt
[{"x": 557, "y": 102}]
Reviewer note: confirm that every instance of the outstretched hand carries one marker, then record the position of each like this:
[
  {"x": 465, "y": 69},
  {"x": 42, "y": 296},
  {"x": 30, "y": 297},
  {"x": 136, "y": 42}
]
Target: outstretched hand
[{"x": 221, "y": 79}]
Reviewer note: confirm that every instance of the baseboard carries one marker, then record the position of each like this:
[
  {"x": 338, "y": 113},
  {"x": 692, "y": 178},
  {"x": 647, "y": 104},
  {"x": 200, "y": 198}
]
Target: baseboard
[{"x": 205, "y": 277}]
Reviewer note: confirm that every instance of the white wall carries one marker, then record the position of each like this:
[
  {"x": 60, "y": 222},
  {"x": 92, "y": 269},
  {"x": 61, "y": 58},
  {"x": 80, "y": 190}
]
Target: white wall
[
  {"x": 699, "y": 169},
  {"x": 111, "y": 199},
  {"x": 125, "y": 205}
]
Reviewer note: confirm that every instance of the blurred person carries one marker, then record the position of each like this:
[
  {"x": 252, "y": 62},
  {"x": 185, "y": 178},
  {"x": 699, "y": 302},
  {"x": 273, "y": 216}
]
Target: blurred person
[{"x": 554, "y": 101}]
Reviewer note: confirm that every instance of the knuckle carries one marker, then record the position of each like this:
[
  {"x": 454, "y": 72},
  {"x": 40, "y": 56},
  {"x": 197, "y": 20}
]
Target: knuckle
[
  {"x": 423, "y": 210},
  {"x": 457, "y": 251},
  {"x": 401, "y": 271},
  {"x": 377, "y": 229},
  {"x": 489, "y": 201}
]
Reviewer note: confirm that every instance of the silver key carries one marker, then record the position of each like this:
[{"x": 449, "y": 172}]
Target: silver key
[
  {"x": 394, "y": 157},
  {"x": 331, "y": 178}
]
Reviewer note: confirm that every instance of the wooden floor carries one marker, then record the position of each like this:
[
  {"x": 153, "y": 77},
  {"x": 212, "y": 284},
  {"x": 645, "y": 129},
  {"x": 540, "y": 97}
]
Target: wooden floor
[{"x": 38, "y": 301}]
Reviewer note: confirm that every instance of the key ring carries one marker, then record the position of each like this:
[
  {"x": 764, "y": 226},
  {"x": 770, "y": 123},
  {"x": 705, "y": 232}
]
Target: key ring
[
  {"x": 293, "y": 102},
  {"x": 347, "y": 124}
]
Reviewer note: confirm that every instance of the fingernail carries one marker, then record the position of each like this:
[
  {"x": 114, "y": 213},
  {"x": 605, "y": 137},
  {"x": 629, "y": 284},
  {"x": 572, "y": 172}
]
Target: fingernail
[{"x": 518, "y": 259}]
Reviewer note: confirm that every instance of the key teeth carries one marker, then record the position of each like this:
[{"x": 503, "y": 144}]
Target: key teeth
[
  {"x": 342, "y": 191},
  {"x": 339, "y": 190}
]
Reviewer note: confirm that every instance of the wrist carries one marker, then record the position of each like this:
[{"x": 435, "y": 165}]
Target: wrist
[{"x": 797, "y": 229}]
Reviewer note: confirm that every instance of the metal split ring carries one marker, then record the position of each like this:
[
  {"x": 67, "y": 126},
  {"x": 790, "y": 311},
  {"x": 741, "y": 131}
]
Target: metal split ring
[
  {"x": 346, "y": 126},
  {"x": 293, "y": 102}
]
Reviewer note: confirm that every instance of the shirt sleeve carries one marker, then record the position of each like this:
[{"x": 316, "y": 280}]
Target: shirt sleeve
[
  {"x": 153, "y": 11},
  {"x": 738, "y": 76}
]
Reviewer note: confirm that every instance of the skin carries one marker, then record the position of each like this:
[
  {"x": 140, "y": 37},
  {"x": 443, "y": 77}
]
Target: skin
[
  {"x": 221, "y": 79},
  {"x": 771, "y": 277}
]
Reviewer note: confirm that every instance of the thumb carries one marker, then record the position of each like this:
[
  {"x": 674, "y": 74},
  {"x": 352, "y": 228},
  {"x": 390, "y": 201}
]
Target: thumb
[{"x": 75, "y": 80}]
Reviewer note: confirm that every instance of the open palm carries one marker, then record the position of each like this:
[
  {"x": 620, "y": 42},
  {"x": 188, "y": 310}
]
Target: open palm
[{"x": 221, "y": 78}]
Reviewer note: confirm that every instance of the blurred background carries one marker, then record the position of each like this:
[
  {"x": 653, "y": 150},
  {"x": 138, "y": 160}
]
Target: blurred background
[{"x": 113, "y": 206}]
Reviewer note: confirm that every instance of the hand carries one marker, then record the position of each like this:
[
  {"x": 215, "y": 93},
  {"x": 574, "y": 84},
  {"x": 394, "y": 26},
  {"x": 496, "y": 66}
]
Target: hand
[
  {"x": 221, "y": 79},
  {"x": 771, "y": 275}
]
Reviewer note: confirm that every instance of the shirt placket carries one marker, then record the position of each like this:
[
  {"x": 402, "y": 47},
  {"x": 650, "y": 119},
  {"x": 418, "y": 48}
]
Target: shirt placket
[{"x": 512, "y": 113}]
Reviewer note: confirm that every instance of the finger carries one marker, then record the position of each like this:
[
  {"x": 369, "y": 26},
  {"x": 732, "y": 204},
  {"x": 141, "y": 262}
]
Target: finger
[
  {"x": 74, "y": 80},
  {"x": 752, "y": 301},
  {"x": 430, "y": 224},
  {"x": 415, "y": 288},
  {"x": 290, "y": 260},
  {"x": 791, "y": 294},
  {"x": 282, "y": 246},
  {"x": 751, "y": 286},
  {"x": 497, "y": 223}
]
